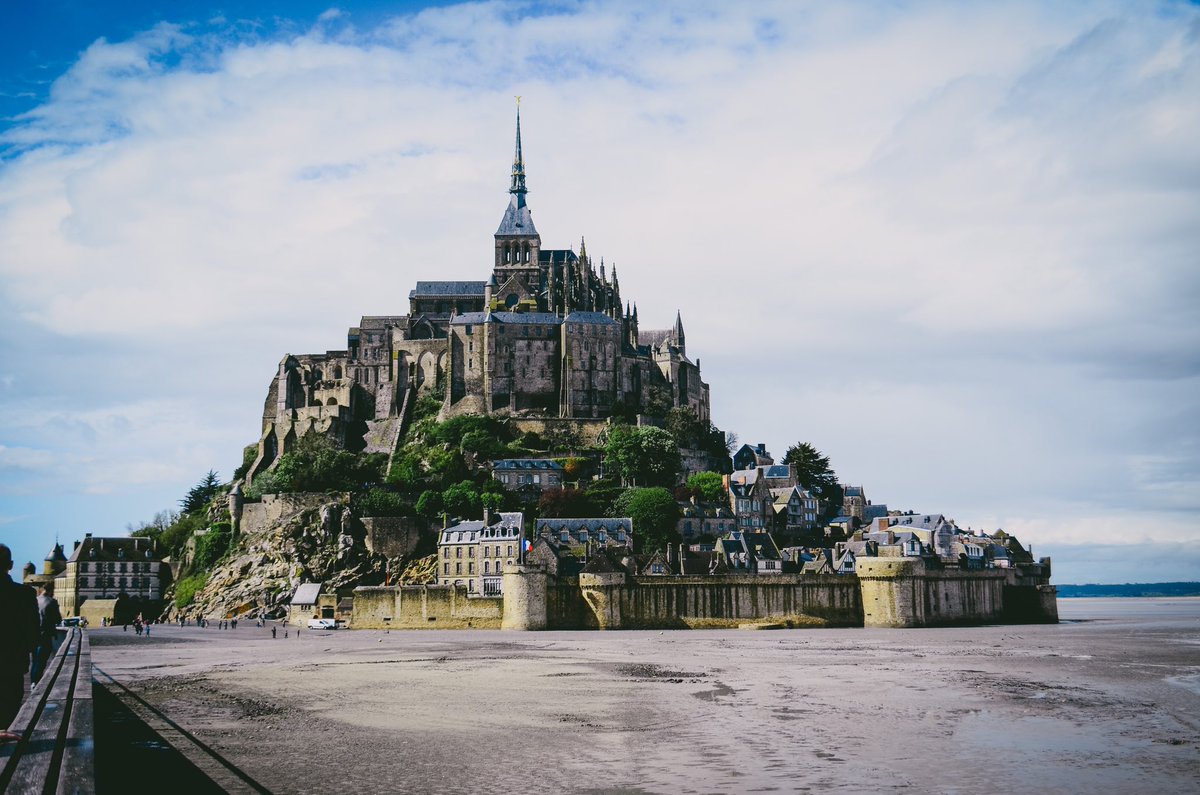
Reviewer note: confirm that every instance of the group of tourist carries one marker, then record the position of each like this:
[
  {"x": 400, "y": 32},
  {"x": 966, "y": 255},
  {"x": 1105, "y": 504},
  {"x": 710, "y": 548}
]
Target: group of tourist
[{"x": 30, "y": 622}]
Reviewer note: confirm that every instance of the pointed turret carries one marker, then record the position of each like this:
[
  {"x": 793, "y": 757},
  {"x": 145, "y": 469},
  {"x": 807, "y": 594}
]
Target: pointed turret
[
  {"x": 677, "y": 338},
  {"x": 518, "y": 168},
  {"x": 518, "y": 245}
]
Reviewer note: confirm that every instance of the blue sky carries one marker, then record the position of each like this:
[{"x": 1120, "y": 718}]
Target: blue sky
[{"x": 954, "y": 246}]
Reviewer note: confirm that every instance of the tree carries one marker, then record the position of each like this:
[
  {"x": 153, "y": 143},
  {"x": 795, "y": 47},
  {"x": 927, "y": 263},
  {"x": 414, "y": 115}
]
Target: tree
[
  {"x": 643, "y": 456},
  {"x": 317, "y": 464},
  {"x": 709, "y": 485},
  {"x": 654, "y": 513},
  {"x": 565, "y": 504},
  {"x": 429, "y": 504},
  {"x": 814, "y": 473},
  {"x": 202, "y": 493}
]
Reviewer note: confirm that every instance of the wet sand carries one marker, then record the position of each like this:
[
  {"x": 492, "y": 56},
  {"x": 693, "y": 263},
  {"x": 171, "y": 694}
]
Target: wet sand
[{"x": 1107, "y": 701}]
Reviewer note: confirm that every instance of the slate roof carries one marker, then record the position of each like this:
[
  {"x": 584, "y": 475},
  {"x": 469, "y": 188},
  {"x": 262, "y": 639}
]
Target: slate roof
[
  {"x": 778, "y": 471},
  {"x": 306, "y": 593},
  {"x": 557, "y": 256},
  {"x": 590, "y": 318},
  {"x": 462, "y": 533},
  {"x": 447, "y": 290},
  {"x": 573, "y": 526},
  {"x": 111, "y": 549},
  {"x": 379, "y": 322},
  {"x": 508, "y": 318},
  {"x": 517, "y": 220},
  {"x": 873, "y": 512},
  {"x": 526, "y": 464},
  {"x": 853, "y": 491}
]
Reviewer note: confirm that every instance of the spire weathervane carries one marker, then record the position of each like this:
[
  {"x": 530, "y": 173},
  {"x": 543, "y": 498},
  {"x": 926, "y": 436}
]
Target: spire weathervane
[{"x": 518, "y": 170}]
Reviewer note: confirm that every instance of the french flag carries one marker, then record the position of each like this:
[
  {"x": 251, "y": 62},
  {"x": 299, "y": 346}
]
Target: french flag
[{"x": 526, "y": 545}]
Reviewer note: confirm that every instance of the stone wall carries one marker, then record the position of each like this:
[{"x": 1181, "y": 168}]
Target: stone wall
[
  {"x": 392, "y": 536},
  {"x": 423, "y": 607},
  {"x": 662, "y": 602},
  {"x": 257, "y": 517},
  {"x": 904, "y": 592}
]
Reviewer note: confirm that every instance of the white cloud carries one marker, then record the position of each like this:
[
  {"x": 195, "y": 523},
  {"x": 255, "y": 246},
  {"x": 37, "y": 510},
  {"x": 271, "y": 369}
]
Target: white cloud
[{"x": 952, "y": 246}]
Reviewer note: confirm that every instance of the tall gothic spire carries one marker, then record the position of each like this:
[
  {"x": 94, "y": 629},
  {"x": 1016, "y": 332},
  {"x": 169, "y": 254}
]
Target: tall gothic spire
[{"x": 518, "y": 168}]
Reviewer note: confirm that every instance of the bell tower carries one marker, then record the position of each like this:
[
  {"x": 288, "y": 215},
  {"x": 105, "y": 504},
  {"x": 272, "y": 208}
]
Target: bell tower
[{"x": 516, "y": 268}]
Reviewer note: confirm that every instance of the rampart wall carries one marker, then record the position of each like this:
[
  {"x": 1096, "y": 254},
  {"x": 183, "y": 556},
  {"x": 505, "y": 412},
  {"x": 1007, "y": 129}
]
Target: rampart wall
[
  {"x": 423, "y": 607},
  {"x": 678, "y": 602},
  {"x": 887, "y": 592}
]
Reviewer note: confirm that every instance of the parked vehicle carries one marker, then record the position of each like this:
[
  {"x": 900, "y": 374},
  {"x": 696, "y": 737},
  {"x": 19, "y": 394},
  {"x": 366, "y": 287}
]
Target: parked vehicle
[
  {"x": 67, "y": 623},
  {"x": 322, "y": 623}
]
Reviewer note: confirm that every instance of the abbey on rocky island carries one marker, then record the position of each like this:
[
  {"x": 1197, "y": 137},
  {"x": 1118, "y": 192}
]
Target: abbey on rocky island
[{"x": 545, "y": 338}]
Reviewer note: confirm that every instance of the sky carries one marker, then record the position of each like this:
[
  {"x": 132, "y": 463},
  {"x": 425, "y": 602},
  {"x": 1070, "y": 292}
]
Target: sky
[{"x": 954, "y": 246}]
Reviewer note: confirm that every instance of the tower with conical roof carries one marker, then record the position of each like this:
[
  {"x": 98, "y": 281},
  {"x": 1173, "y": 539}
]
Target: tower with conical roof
[{"x": 518, "y": 245}]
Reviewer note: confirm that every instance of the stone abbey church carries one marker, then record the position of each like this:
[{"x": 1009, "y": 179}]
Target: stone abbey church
[{"x": 545, "y": 339}]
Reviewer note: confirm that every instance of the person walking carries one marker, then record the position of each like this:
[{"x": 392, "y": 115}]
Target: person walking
[
  {"x": 19, "y": 632},
  {"x": 273, "y": 629},
  {"x": 49, "y": 617}
]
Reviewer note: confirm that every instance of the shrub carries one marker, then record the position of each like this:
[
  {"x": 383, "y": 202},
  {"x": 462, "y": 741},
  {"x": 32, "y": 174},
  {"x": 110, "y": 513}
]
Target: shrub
[
  {"x": 185, "y": 589},
  {"x": 655, "y": 514},
  {"x": 212, "y": 546},
  {"x": 381, "y": 502}
]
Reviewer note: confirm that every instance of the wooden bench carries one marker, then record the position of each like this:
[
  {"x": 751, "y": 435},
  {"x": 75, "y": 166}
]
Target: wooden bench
[{"x": 56, "y": 751}]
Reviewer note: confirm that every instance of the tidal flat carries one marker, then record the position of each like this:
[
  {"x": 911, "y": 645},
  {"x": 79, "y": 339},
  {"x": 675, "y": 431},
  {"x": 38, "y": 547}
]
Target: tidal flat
[{"x": 1107, "y": 701}]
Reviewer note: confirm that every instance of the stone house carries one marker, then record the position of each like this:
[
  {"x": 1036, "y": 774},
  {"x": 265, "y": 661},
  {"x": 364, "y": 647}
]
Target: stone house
[
  {"x": 696, "y": 519},
  {"x": 521, "y": 473},
  {"x": 133, "y": 569},
  {"x": 796, "y": 509},
  {"x": 475, "y": 553},
  {"x": 751, "y": 501},
  {"x": 752, "y": 457},
  {"x": 749, "y": 552},
  {"x": 854, "y": 502},
  {"x": 577, "y": 535}
]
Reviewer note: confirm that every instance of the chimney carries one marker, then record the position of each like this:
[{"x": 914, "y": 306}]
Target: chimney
[
  {"x": 682, "y": 557},
  {"x": 487, "y": 516},
  {"x": 670, "y": 554},
  {"x": 76, "y": 545}
]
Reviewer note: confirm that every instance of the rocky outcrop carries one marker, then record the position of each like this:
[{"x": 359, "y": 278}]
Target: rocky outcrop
[{"x": 286, "y": 540}]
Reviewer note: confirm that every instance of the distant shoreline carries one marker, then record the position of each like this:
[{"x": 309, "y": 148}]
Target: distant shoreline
[{"x": 1130, "y": 590}]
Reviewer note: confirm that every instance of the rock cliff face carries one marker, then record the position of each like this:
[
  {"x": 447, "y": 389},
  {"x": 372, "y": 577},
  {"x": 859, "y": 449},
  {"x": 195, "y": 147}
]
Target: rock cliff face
[{"x": 281, "y": 542}]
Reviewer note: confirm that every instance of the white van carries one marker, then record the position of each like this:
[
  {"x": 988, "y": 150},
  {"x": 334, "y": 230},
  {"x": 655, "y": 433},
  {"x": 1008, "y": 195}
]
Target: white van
[{"x": 322, "y": 623}]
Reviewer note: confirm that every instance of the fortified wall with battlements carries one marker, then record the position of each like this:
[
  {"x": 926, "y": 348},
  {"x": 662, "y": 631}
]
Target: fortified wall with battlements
[{"x": 886, "y": 592}]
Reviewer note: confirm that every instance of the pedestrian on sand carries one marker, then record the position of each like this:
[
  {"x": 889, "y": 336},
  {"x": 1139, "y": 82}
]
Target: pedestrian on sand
[
  {"x": 19, "y": 633},
  {"x": 49, "y": 617},
  {"x": 273, "y": 632}
]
